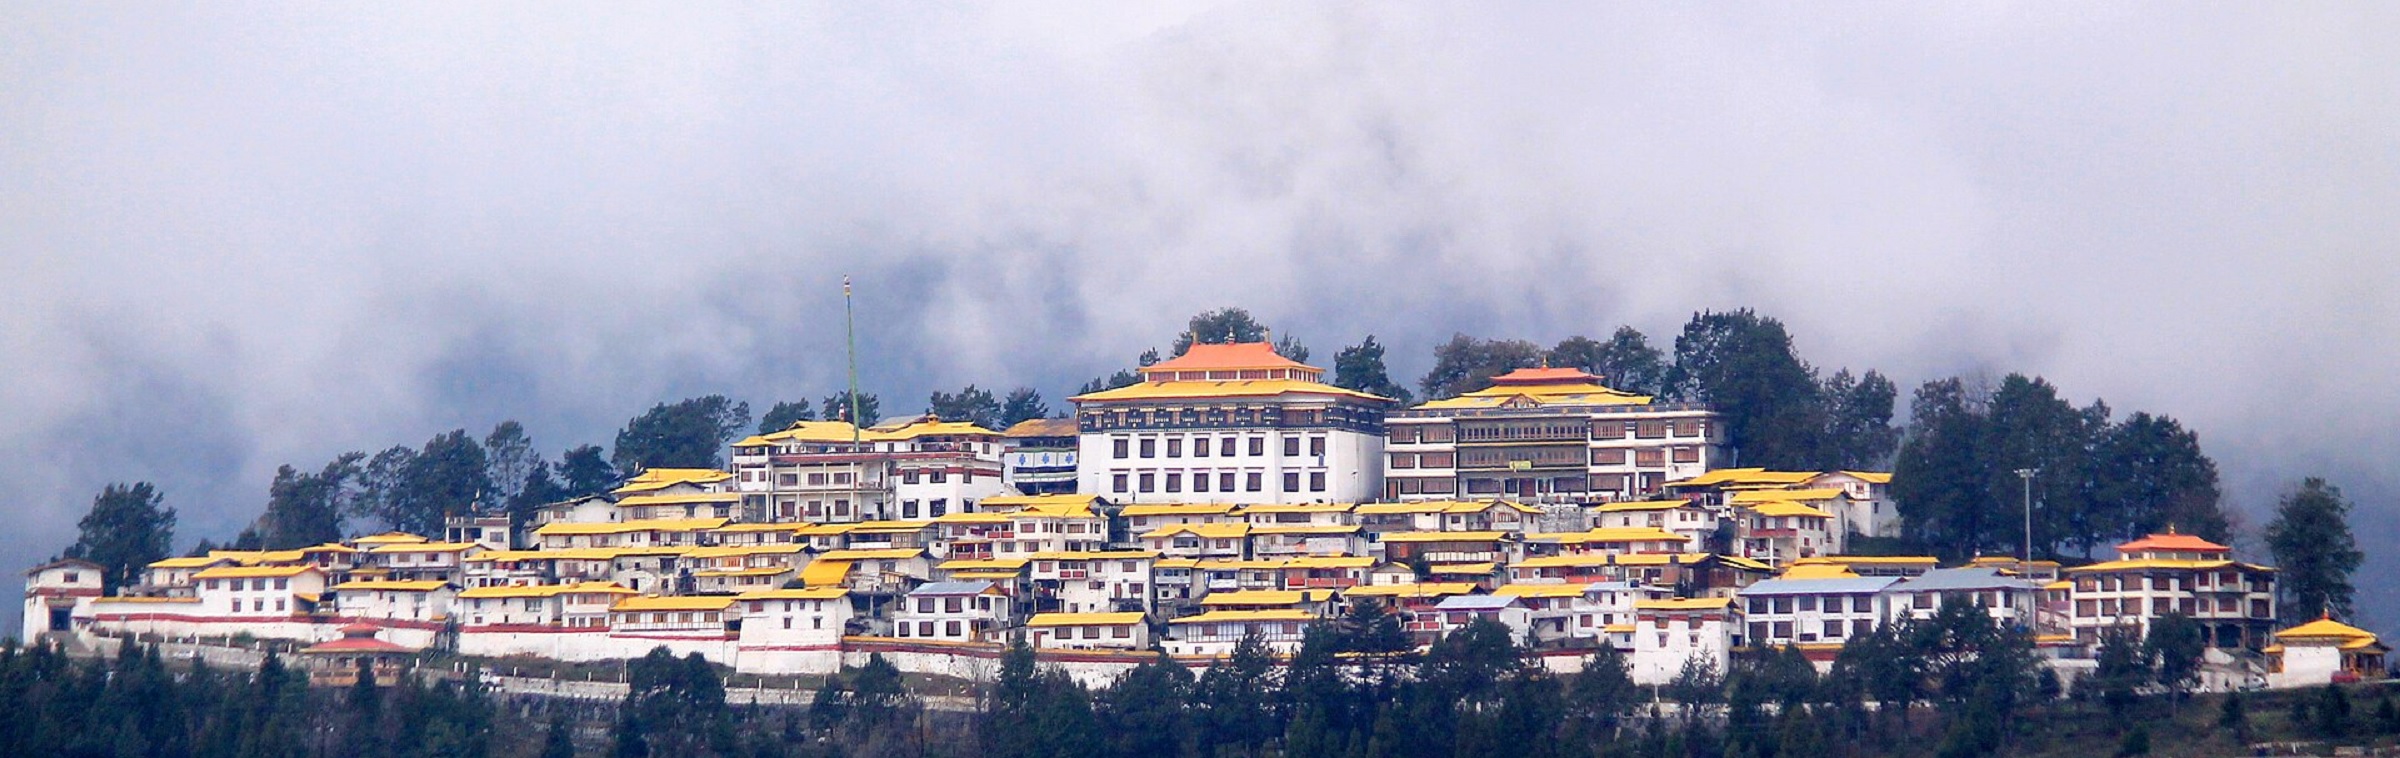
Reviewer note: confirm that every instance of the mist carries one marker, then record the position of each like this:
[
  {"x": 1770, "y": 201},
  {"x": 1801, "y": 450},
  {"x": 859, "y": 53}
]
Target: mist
[{"x": 237, "y": 237}]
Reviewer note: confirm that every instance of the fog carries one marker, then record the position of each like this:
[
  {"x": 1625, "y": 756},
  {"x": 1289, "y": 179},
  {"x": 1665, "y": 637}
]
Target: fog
[{"x": 236, "y": 237}]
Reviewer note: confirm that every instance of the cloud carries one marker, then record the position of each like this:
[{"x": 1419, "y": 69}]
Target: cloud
[{"x": 240, "y": 239}]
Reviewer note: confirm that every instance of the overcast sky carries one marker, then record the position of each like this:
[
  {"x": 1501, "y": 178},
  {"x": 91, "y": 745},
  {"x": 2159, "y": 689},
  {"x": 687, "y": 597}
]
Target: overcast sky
[{"x": 239, "y": 237}]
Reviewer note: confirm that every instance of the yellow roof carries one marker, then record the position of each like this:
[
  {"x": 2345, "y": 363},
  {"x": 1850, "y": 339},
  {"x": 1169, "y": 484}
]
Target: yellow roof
[
  {"x": 629, "y": 527},
  {"x": 2325, "y": 628},
  {"x": 688, "y": 498},
  {"x": 1042, "y": 427},
  {"x": 1228, "y": 564},
  {"x": 662, "y": 478},
  {"x": 760, "y": 526},
  {"x": 1444, "y": 536},
  {"x": 1305, "y": 529},
  {"x": 1642, "y": 505},
  {"x": 136, "y": 599},
  {"x": 1093, "y": 555},
  {"x": 1419, "y": 589},
  {"x": 1243, "y": 388},
  {"x": 1025, "y": 501},
  {"x": 994, "y": 574},
  {"x": 542, "y": 590},
  {"x": 1871, "y": 560},
  {"x": 1084, "y": 619},
  {"x": 759, "y": 571},
  {"x": 1559, "y": 388},
  {"x": 1781, "y": 508},
  {"x": 974, "y": 517},
  {"x": 964, "y": 564},
  {"x": 2139, "y": 564},
  {"x": 1269, "y": 614},
  {"x": 1330, "y": 561},
  {"x": 674, "y": 603},
  {"x": 1818, "y": 571},
  {"x": 428, "y": 547},
  {"x": 1177, "y": 562},
  {"x": 1566, "y": 560},
  {"x": 812, "y": 593},
  {"x": 195, "y": 561},
  {"x": 1683, "y": 604},
  {"x": 873, "y": 554},
  {"x": 1762, "y": 496},
  {"x": 1540, "y": 590},
  {"x": 1872, "y": 477},
  {"x": 824, "y": 573},
  {"x": 1725, "y": 476},
  {"x": 388, "y": 538},
  {"x": 1265, "y": 597},
  {"x": 1299, "y": 508},
  {"x": 330, "y": 547},
  {"x": 1176, "y": 509},
  {"x": 1440, "y": 506},
  {"x": 890, "y": 527},
  {"x": 1204, "y": 531},
  {"x": 1631, "y": 534},
  {"x": 2061, "y": 584},
  {"x": 735, "y": 551},
  {"x": 246, "y": 572},
  {"x": 1617, "y": 628},
  {"x": 1485, "y": 567},
  {"x": 389, "y": 585},
  {"x": 924, "y": 428}
]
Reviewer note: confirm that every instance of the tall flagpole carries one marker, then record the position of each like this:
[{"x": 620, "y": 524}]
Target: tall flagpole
[{"x": 850, "y": 333}]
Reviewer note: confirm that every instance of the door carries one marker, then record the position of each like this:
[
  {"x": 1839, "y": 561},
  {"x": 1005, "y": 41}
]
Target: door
[{"x": 61, "y": 619}]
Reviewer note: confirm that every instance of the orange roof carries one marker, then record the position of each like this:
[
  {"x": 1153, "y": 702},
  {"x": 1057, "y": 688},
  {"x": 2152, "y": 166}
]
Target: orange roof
[
  {"x": 2172, "y": 542},
  {"x": 1544, "y": 376},
  {"x": 1227, "y": 357}
]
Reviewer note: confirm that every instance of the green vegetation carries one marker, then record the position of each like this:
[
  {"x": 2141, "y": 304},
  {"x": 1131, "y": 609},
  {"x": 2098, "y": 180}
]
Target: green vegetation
[
  {"x": 2314, "y": 551},
  {"x": 128, "y": 527}
]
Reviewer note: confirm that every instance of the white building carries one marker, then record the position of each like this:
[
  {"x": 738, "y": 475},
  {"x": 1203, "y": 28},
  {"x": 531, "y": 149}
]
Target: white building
[
  {"x": 2324, "y": 651},
  {"x": 1088, "y": 631},
  {"x": 425, "y": 600},
  {"x": 1457, "y": 611},
  {"x": 830, "y": 472},
  {"x": 1668, "y": 634},
  {"x": 2006, "y": 599},
  {"x": 1040, "y": 456},
  {"x": 2162, "y": 573},
  {"x": 1218, "y": 632},
  {"x": 265, "y": 593},
  {"x": 973, "y": 611},
  {"x": 1233, "y": 423},
  {"x": 1093, "y": 582},
  {"x": 582, "y": 605},
  {"x": 812, "y": 617},
  {"x": 1814, "y": 604},
  {"x": 1547, "y": 435},
  {"x": 54, "y": 591}
]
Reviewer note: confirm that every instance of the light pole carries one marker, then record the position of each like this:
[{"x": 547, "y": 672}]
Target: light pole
[{"x": 2025, "y": 566}]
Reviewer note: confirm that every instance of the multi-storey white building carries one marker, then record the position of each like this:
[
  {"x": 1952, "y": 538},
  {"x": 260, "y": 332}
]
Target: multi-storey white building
[
  {"x": 830, "y": 472},
  {"x": 1232, "y": 423},
  {"x": 1040, "y": 457},
  {"x": 1547, "y": 434},
  {"x": 972, "y": 611},
  {"x": 1669, "y": 634},
  {"x": 1814, "y": 604},
  {"x": 2166, "y": 573}
]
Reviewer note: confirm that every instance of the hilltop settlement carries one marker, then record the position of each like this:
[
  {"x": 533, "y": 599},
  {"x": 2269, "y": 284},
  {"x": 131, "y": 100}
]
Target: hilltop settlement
[{"x": 1230, "y": 493}]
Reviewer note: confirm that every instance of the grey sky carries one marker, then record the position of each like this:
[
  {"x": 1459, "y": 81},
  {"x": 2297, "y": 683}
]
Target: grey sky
[{"x": 242, "y": 236}]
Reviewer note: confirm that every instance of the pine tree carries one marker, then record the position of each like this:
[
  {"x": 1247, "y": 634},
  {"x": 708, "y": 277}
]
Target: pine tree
[
  {"x": 2315, "y": 552},
  {"x": 128, "y": 528}
]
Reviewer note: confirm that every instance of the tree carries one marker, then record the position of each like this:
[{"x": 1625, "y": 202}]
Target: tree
[
  {"x": 2176, "y": 642},
  {"x": 383, "y": 484},
  {"x": 128, "y": 528},
  {"x": 447, "y": 478},
  {"x": 2153, "y": 475},
  {"x": 1123, "y": 378},
  {"x": 557, "y": 742},
  {"x": 538, "y": 489},
  {"x": 2028, "y": 426},
  {"x": 2234, "y": 716},
  {"x": 307, "y": 509},
  {"x": 2329, "y": 713},
  {"x": 973, "y": 405},
  {"x": 2122, "y": 669},
  {"x": 508, "y": 457},
  {"x": 1938, "y": 479},
  {"x": 674, "y": 707},
  {"x": 1626, "y": 361},
  {"x": 1466, "y": 364},
  {"x": 785, "y": 414},
  {"x": 2314, "y": 551},
  {"x": 1023, "y": 404},
  {"x": 837, "y": 408},
  {"x": 689, "y": 433},
  {"x": 1143, "y": 711},
  {"x": 1858, "y": 421},
  {"x": 1223, "y": 325},
  {"x": 1360, "y": 367},
  {"x": 584, "y": 471},
  {"x": 1742, "y": 365}
]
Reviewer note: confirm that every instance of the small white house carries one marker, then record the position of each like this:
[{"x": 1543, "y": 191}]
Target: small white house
[
  {"x": 2322, "y": 652},
  {"x": 55, "y": 591},
  {"x": 1458, "y": 611},
  {"x": 816, "y": 616},
  {"x": 1669, "y": 633},
  {"x": 1218, "y": 632},
  {"x": 954, "y": 612},
  {"x": 1089, "y": 631},
  {"x": 396, "y": 599},
  {"x": 258, "y": 592}
]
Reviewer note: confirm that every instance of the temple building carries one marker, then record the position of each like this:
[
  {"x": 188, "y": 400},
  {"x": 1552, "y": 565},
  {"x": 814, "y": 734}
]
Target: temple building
[
  {"x": 1547, "y": 435},
  {"x": 1040, "y": 456},
  {"x": 1230, "y": 423},
  {"x": 912, "y": 469},
  {"x": 2175, "y": 573}
]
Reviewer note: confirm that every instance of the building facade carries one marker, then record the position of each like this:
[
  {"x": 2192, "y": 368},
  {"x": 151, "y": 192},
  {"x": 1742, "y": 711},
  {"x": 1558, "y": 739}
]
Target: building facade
[
  {"x": 1231, "y": 423},
  {"x": 1547, "y": 435}
]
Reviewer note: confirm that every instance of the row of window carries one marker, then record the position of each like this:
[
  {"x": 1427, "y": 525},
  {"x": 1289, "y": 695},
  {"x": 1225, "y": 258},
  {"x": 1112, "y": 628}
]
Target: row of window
[
  {"x": 1831, "y": 629},
  {"x": 1200, "y": 445},
  {"x": 1809, "y": 603},
  {"x": 2222, "y": 581},
  {"x": 238, "y": 585},
  {"x": 1201, "y": 481},
  {"x": 1547, "y": 429},
  {"x": 2162, "y": 606}
]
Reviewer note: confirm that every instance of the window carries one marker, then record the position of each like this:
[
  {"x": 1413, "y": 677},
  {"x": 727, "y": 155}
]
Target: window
[
  {"x": 1149, "y": 448},
  {"x": 1257, "y": 481},
  {"x": 950, "y": 628},
  {"x": 1149, "y": 482},
  {"x": 1291, "y": 481},
  {"x": 1291, "y": 446},
  {"x": 1118, "y": 485},
  {"x": 1647, "y": 458},
  {"x": 1174, "y": 481},
  {"x": 1225, "y": 482},
  {"x": 1316, "y": 446},
  {"x": 1200, "y": 480},
  {"x": 953, "y": 605},
  {"x": 1175, "y": 447},
  {"x": 1608, "y": 457},
  {"x": 1199, "y": 447},
  {"x": 1404, "y": 460},
  {"x": 1225, "y": 448},
  {"x": 1258, "y": 446},
  {"x": 1120, "y": 446},
  {"x": 1316, "y": 481}
]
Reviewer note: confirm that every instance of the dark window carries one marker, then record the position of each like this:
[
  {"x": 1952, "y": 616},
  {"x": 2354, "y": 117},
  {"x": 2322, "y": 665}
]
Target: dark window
[
  {"x": 1291, "y": 446},
  {"x": 1149, "y": 448},
  {"x": 1291, "y": 481},
  {"x": 1121, "y": 445},
  {"x": 1257, "y": 481}
]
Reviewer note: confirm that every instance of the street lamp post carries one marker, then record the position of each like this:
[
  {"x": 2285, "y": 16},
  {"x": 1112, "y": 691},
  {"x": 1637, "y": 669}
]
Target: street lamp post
[{"x": 2025, "y": 565}]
